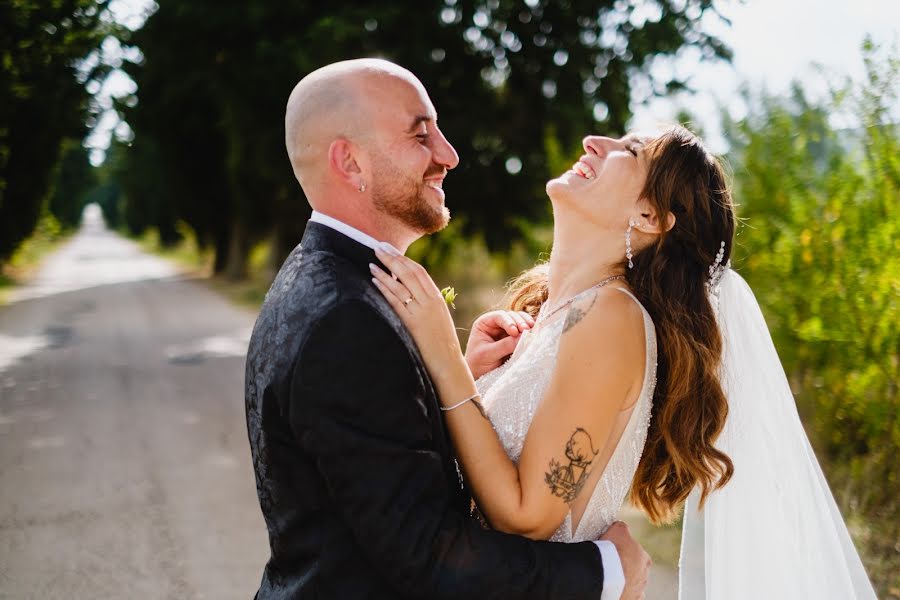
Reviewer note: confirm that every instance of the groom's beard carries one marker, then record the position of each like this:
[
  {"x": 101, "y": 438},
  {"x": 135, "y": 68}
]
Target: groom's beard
[{"x": 396, "y": 194}]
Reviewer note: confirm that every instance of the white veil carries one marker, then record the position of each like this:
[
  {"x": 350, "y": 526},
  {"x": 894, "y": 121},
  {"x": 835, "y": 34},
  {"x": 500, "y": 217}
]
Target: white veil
[{"x": 774, "y": 531}]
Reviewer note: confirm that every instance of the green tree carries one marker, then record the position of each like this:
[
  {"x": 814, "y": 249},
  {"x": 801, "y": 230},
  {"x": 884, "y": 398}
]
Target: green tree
[
  {"x": 43, "y": 100},
  {"x": 73, "y": 180}
]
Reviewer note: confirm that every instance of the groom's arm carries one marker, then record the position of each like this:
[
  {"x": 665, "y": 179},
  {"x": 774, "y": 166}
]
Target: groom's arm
[{"x": 357, "y": 407}]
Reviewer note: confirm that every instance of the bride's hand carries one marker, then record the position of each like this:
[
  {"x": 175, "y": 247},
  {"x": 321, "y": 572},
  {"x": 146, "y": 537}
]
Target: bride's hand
[
  {"x": 493, "y": 338},
  {"x": 418, "y": 302}
]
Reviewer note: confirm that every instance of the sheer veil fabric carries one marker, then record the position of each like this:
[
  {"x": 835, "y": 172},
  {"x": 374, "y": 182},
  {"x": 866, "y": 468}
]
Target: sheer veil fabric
[{"x": 774, "y": 531}]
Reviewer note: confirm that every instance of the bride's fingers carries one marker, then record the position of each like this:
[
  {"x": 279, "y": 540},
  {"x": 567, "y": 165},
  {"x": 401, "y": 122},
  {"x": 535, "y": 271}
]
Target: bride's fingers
[
  {"x": 496, "y": 323},
  {"x": 510, "y": 325},
  {"x": 393, "y": 290},
  {"x": 411, "y": 273},
  {"x": 528, "y": 318},
  {"x": 392, "y": 299},
  {"x": 505, "y": 346},
  {"x": 521, "y": 323}
]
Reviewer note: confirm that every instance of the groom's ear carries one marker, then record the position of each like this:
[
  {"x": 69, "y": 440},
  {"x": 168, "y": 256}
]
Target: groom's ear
[
  {"x": 343, "y": 161},
  {"x": 651, "y": 222}
]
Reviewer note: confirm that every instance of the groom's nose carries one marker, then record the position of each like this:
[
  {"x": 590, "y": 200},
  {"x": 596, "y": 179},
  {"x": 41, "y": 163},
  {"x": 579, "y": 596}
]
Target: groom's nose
[{"x": 444, "y": 153}]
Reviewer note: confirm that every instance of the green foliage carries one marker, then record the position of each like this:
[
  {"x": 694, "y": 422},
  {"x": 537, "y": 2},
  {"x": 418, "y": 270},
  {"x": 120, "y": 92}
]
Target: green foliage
[
  {"x": 821, "y": 248},
  {"x": 503, "y": 75},
  {"x": 46, "y": 237},
  {"x": 73, "y": 180},
  {"x": 186, "y": 252},
  {"x": 42, "y": 101}
]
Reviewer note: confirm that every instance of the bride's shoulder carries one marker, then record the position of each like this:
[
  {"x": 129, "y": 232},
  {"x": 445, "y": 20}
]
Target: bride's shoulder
[
  {"x": 604, "y": 310},
  {"x": 602, "y": 342},
  {"x": 604, "y": 321}
]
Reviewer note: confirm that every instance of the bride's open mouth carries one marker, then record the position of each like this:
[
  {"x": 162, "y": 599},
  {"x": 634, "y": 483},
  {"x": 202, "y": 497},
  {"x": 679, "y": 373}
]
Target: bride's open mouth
[{"x": 583, "y": 169}]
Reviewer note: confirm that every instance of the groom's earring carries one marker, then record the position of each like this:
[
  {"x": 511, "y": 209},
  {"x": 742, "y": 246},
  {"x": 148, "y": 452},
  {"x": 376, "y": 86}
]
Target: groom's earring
[
  {"x": 628, "y": 254},
  {"x": 362, "y": 186}
]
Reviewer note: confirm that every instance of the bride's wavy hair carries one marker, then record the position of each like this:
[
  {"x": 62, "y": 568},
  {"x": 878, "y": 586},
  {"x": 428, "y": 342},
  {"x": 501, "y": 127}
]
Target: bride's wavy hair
[{"x": 669, "y": 278}]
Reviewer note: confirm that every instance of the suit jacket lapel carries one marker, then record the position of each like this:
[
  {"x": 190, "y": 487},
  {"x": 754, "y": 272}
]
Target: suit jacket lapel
[{"x": 318, "y": 237}]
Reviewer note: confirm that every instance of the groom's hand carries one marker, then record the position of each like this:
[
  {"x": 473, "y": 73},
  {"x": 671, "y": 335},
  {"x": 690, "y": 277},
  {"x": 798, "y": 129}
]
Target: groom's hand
[
  {"x": 635, "y": 561},
  {"x": 493, "y": 338}
]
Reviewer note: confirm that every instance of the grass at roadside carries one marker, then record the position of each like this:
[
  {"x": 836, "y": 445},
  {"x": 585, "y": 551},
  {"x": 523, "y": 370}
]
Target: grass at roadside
[
  {"x": 6, "y": 284},
  {"x": 186, "y": 253},
  {"x": 28, "y": 257},
  {"x": 198, "y": 263}
]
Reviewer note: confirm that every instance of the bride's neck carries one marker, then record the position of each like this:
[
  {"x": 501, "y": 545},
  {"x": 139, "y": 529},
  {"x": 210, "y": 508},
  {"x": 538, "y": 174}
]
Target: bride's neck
[{"x": 582, "y": 256}]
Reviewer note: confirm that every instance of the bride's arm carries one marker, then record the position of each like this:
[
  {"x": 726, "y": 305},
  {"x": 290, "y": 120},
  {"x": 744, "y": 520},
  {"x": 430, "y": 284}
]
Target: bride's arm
[{"x": 594, "y": 376}]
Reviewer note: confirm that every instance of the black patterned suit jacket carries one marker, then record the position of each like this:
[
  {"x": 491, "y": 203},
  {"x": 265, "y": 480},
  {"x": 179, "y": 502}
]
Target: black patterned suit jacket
[{"x": 354, "y": 469}]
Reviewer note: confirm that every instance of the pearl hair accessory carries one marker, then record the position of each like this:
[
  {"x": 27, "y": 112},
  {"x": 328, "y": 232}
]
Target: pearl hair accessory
[
  {"x": 716, "y": 270},
  {"x": 628, "y": 254},
  {"x": 719, "y": 256}
]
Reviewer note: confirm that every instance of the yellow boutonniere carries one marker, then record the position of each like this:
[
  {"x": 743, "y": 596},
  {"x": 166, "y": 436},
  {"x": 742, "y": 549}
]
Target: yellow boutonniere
[{"x": 449, "y": 295}]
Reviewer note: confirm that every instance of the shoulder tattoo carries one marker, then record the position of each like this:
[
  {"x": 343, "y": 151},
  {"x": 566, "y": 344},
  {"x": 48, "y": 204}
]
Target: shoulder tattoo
[{"x": 578, "y": 311}]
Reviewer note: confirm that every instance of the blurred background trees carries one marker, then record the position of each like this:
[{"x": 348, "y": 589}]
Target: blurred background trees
[
  {"x": 44, "y": 109},
  {"x": 509, "y": 79},
  {"x": 517, "y": 84}
]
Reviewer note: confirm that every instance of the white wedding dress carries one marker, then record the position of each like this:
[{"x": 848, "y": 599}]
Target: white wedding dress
[{"x": 512, "y": 392}]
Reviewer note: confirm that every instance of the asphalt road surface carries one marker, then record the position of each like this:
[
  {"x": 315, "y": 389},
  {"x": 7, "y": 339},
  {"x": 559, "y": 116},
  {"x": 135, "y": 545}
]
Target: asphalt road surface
[{"x": 124, "y": 463}]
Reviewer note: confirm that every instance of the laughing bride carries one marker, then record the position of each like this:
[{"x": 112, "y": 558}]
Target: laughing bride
[{"x": 644, "y": 369}]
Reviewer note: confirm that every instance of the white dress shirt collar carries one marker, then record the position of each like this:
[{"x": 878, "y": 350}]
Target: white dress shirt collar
[{"x": 351, "y": 232}]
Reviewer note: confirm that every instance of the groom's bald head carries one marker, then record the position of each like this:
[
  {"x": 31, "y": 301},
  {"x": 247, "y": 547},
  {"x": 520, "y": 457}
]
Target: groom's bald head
[
  {"x": 333, "y": 102},
  {"x": 364, "y": 143}
]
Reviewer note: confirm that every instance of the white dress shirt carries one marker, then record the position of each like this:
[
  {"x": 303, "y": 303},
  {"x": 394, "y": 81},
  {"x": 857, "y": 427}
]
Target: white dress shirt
[
  {"x": 351, "y": 232},
  {"x": 613, "y": 577}
]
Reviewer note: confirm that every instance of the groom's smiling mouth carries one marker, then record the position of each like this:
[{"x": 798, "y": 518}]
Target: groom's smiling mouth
[{"x": 437, "y": 184}]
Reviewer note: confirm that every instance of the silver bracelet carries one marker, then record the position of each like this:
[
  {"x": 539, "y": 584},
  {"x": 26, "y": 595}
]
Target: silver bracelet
[{"x": 469, "y": 399}]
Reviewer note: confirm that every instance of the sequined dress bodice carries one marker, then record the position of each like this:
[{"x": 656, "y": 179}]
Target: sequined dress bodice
[{"x": 511, "y": 395}]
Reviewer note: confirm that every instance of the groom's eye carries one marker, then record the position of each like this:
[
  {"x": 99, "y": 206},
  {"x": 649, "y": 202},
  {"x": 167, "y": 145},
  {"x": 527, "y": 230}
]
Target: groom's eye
[{"x": 422, "y": 137}]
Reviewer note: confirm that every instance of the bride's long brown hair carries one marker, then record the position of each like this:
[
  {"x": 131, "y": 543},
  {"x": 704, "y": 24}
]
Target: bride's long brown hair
[{"x": 669, "y": 278}]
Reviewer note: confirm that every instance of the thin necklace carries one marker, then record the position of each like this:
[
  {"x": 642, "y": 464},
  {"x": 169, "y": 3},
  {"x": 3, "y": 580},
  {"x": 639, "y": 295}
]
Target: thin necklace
[{"x": 599, "y": 284}]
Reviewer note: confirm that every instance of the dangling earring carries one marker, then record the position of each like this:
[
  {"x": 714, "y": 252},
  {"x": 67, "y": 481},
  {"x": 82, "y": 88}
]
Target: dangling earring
[
  {"x": 362, "y": 186},
  {"x": 628, "y": 254}
]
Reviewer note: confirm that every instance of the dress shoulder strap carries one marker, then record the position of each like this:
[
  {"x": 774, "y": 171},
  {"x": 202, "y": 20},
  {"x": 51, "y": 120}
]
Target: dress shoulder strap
[
  {"x": 650, "y": 335},
  {"x": 633, "y": 297}
]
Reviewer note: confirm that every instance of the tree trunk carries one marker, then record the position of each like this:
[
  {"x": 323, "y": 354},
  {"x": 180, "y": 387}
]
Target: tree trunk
[
  {"x": 238, "y": 247},
  {"x": 221, "y": 245}
]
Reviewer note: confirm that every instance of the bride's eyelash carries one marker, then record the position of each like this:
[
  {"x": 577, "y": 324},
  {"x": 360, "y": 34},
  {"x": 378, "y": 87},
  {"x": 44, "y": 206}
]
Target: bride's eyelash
[{"x": 632, "y": 148}]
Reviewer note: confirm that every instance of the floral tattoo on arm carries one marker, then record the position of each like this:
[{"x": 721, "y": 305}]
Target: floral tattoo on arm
[{"x": 566, "y": 481}]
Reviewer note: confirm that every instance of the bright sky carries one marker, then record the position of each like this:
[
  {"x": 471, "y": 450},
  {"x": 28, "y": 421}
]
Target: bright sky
[{"x": 774, "y": 42}]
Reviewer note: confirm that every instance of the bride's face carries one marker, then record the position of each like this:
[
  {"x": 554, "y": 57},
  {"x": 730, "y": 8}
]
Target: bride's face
[{"x": 605, "y": 184}]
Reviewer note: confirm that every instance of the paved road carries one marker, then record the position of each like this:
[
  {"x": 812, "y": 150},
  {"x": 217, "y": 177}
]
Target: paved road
[{"x": 124, "y": 464}]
